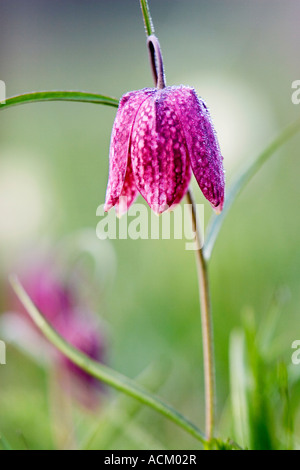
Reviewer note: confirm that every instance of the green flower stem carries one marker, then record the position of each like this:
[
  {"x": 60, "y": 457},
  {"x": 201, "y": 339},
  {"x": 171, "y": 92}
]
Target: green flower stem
[
  {"x": 147, "y": 17},
  {"x": 240, "y": 183},
  {"x": 101, "y": 372},
  {"x": 208, "y": 355},
  {"x": 207, "y": 327},
  {"x": 77, "y": 96}
]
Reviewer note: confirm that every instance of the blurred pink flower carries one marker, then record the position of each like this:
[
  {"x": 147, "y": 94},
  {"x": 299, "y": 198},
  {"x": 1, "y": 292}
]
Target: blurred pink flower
[
  {"x": 82, "y": 333},
  {"x": 61, "y": 307},
  {"x": 159, "y": 137},
  {"x": 48, "y": 293}
]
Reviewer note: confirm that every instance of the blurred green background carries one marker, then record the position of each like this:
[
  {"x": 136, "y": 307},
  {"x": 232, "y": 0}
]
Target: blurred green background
[{"x": 242, "y": 58}]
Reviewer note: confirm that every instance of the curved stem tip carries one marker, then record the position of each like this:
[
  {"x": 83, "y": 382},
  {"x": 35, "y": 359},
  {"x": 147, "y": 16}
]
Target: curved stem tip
[{"x": 156, "y": 62}]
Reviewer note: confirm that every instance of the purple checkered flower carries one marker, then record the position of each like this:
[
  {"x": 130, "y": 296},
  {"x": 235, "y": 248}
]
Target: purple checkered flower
[{"x": 159, "y": 137}]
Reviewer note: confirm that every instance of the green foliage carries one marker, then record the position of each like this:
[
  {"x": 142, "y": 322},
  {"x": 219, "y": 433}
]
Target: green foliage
[
  {"x": 44, "y": 96},
  {"x": 119, "y": 414},
  {"x": 218, "y": 444},
  {"x": 241, "y": 180},
  {"x": 260, "y": 390},
  {"x": 262, "y": 403},
  {"x": 102, "y": 372}
]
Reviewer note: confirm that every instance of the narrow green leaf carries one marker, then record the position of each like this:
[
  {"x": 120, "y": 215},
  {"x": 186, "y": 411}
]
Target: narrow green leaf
[
  {"x": 240, "y": 183},
  {"x": 147, "y": 17},
  {"x": 122, "y": 410},
  {"x": 287, "y": 413},
  {"x": 102, "y": 372},
  {"x": 238, "y": 388},
  {"x": 77, "y": 96}
]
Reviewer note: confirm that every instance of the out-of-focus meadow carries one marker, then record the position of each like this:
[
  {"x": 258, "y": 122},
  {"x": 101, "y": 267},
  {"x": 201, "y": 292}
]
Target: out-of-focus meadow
[{"x": 242, "y": 58}]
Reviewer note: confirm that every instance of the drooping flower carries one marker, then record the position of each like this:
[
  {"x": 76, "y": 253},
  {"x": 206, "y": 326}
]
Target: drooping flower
[{"x": 159, "y": 137}]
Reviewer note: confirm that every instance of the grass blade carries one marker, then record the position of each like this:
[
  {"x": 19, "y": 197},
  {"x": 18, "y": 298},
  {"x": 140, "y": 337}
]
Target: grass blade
[
  {"x": 77, "y": 96},
  {"x": 240, "y": 183},
  {"x": 238, "y": 387},
  {"x": 122, "y": 410},
  {"x": 102, "y": 372}
]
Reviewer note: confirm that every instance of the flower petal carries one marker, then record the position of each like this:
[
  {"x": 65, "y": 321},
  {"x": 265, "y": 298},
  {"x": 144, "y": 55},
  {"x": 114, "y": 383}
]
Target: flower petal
[
  {"x": 159, "y": 152},
  {"x": 202, "y": 144},
  {"x": 129, "y": 191},
  {"x": 185, "y": 184},
  {"x": 120, "y": 141}
]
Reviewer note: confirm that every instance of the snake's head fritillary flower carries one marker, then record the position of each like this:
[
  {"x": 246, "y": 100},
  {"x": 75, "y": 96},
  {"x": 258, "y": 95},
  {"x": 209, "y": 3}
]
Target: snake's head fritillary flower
[{"x": 159, "y": 137}]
